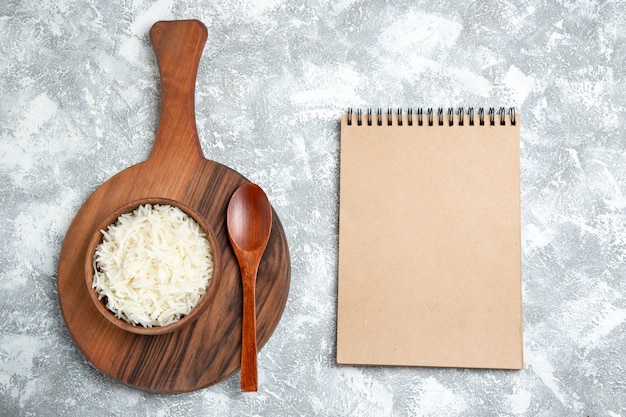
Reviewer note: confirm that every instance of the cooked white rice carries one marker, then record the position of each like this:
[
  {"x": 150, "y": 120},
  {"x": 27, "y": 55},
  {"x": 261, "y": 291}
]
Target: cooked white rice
[{"x": 153, "y": 265}]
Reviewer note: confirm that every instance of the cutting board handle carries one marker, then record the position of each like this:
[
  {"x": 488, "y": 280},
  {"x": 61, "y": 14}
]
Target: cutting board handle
[{"x": 178, "y": 46}]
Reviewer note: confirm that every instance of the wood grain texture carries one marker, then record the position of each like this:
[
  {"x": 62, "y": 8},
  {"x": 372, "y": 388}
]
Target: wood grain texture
[{"x": 208, "y": 350}]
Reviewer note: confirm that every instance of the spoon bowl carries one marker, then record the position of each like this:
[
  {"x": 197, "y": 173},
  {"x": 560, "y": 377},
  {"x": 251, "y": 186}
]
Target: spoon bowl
[{"x": 249, "y": 221}]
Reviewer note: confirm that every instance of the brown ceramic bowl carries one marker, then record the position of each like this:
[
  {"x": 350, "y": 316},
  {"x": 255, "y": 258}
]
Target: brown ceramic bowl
[{"x": 183, "y": 321}]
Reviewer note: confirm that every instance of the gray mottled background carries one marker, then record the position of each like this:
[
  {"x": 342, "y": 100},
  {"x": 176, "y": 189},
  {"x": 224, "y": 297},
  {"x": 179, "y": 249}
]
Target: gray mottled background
[{"x": 79, "y": 101}]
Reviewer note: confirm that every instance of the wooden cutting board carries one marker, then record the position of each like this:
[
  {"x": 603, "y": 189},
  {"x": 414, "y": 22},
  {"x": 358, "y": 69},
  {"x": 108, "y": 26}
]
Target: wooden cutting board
[{"x": 208, "y": 350}]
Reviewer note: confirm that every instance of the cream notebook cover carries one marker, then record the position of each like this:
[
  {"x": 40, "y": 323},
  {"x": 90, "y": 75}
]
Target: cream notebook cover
[{"x": 429, "y": 240}]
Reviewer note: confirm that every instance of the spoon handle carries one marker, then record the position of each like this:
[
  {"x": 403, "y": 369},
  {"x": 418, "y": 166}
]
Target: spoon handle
[{"x": 249, "y": 375}]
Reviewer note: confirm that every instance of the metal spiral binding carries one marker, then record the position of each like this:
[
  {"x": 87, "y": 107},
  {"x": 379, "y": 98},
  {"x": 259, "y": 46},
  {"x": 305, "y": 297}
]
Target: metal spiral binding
[{"x": 492, "y": 117}]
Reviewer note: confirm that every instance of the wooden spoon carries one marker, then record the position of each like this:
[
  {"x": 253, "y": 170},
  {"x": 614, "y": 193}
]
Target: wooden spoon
[{"x": 249, "y": 220}]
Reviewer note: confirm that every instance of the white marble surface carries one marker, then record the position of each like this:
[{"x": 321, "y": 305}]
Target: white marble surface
[{"x": 79, "y": 100}]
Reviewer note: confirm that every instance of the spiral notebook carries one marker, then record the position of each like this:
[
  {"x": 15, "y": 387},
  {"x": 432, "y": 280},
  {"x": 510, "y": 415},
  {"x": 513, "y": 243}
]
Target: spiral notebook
[{"x": 429, "y": 270}]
